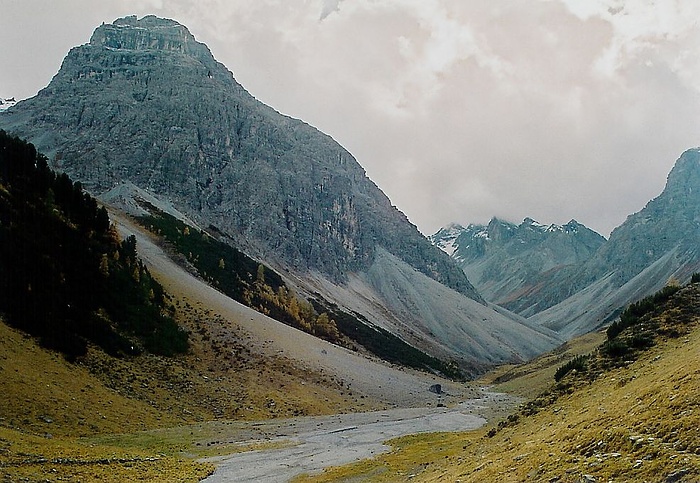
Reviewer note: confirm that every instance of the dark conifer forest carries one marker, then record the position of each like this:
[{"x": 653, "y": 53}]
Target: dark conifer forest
[{"x": 65, "y": 275}]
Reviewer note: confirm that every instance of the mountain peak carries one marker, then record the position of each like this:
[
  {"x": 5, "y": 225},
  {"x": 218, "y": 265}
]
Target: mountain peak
[
  {"x": 7, "y": 103},
  {"x": 147, "y": 21},
  {"x": 145, "y": 102},
  {"x": 685, "y": 173},
  {"x": 149, "y": 33},
  {"x": 452, "y": 227},
  {"x": 497, "y": 221},
  {"x": 573, "y": 226},
  {"x": 445, "y": 237}
]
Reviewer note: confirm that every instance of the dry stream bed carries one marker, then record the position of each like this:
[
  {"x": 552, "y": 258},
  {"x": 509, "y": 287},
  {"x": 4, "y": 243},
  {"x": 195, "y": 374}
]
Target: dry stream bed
[{"x": 307, "y": 445}]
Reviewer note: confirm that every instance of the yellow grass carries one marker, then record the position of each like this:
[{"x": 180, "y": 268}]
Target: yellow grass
[
  {"x": 47, "y": 403},
  {"x": 25, "y": 457},
  {"x": 44, "y": 394},
  {"x": 529, "y": 380}
]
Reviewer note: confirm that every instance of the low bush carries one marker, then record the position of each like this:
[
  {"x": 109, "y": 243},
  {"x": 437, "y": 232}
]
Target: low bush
[
  {"x": 634, "y": 312},
  {"x": 614, "y": 348},
  {"x": 578, "y": 363}
]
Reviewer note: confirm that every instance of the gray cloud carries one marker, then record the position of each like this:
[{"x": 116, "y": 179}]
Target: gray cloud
[
  {"x": 328, "y": 7},
  {"x": 458, "y": 110}
]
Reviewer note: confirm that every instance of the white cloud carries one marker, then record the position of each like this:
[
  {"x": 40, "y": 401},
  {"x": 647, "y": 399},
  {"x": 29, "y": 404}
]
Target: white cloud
[
  {"x": 554, "y": 109},
  {"x": 640, "y": 28}
]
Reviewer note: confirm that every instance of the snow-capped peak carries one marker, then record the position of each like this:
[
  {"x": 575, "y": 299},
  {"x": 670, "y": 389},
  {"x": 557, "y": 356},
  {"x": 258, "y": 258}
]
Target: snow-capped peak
[{"x": 446, "y": 237}]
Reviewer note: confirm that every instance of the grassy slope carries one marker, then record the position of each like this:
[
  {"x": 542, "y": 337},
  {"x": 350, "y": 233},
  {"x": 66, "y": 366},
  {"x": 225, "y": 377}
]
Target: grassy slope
[
  {"x": 86, "y": 420},
  {"x": 639, "y": 422},
  {"x": 528, "y": 380},
  {"x": 40, "y": 386},
  {"x": 48, "y": 403}
]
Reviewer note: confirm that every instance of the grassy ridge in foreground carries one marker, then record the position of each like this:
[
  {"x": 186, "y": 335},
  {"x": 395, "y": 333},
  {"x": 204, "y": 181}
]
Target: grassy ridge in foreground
[{"x": 636, "y": 421}]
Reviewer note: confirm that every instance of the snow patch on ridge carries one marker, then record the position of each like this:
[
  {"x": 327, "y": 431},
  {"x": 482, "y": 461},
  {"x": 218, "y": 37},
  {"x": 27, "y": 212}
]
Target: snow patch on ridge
[
  {"x": 5, "y": 104},
  {"x": 446, "y": 238}
]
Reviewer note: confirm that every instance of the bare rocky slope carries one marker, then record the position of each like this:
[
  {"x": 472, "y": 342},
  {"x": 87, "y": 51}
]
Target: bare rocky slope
[{"x": 145, "y": 105}]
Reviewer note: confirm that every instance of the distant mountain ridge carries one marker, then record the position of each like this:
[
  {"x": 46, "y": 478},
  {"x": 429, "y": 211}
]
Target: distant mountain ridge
[
  {"x": 569, "y": 278},
  {"x": 144, "y": 107},
  {"x": 506, "y": 261}
]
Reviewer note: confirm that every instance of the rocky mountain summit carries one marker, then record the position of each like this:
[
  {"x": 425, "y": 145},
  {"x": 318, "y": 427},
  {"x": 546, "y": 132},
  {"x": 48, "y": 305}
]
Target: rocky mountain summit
[
  {"x": 506, "y": 261},
  {"x": 145, "y": 102},
  {"x": 446, "y": 237},
  {"x": 145, "y": 107}
]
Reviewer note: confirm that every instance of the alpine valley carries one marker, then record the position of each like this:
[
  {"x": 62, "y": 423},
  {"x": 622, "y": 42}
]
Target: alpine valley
[{"x": 193, "y": 285}]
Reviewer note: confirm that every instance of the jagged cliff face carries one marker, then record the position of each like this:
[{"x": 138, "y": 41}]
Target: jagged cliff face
[
  {"x": 510, "y": 263},
  {"x": 145, "y": 102}
]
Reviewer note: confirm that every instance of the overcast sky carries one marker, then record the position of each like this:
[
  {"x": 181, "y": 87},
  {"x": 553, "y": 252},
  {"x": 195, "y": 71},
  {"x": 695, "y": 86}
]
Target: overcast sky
[{"x": 458, "y": 110}]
